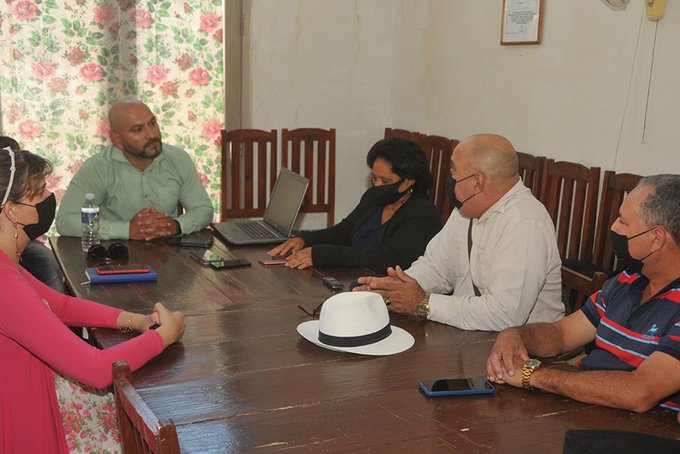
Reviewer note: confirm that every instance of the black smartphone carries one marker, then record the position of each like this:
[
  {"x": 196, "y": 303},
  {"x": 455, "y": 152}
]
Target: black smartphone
[
  {"x": 456, "y": 386},
  {"x": 208, "y": 257},
  {"x": 122, "y": 269},
  {"x": 233, "y": 263},
  {"x": 191, "y": 241},
  {"x": 332, "y": 283}
]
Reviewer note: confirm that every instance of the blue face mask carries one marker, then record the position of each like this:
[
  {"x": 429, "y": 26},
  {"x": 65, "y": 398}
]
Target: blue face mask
[{"x": 45, "y": 210}]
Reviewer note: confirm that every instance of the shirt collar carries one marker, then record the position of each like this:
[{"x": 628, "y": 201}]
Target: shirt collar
[
  {"x": 640, "y": 282},
  {"x": 502, "y": 203}
]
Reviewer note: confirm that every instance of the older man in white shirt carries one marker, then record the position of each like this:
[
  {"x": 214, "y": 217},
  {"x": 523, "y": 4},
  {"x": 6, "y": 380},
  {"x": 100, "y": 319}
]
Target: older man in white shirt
[{"x": 495, "y": 264}]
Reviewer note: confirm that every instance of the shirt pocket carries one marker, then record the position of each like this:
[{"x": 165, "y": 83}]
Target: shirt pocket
[{"x": 168, "y": 191}]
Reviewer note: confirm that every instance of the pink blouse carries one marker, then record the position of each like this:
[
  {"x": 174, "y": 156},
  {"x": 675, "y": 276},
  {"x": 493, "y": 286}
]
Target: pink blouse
[{"x": 34, "y": 341}]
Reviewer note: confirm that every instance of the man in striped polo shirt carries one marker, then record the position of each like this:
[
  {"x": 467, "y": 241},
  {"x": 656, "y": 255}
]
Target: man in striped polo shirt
[{"x": 634, "y": 319}]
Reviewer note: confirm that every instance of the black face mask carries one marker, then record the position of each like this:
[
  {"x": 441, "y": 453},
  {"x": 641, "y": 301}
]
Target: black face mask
[
  {"x": 45, "y": 210},
  {"x": 386, "y": 194},
  {"x": 620, "y": 247},
  {"x": 450, "y": 187}
]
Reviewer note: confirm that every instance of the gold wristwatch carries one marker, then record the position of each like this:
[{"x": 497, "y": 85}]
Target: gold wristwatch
[
  {"x": 423, "y": 309},
  {"x": 528, "y": 368}
]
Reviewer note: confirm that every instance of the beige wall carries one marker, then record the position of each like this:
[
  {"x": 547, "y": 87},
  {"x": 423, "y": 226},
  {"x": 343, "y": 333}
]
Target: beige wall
[
  {"x": 580, "y": 95},
  {"x": 436, "y": 66},
  {"x": 325, "y": 64}
]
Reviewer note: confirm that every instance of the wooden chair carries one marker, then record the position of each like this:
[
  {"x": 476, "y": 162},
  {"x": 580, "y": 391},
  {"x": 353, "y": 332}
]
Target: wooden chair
[
  {"x": 402, "y": 133},
  {"x": 438, "y": 151},
  {"x": 614, "y": 188},
  {"x": 570, "y": 193},
  {"x": 405, "y": 134},
  {"x": 531, "y": 171},
  {"x": 249, "y": 170},
  {"x": 577, "y": 287},
  {"x": 311, "y": 153},
  {"x": 140, "y": 430}
]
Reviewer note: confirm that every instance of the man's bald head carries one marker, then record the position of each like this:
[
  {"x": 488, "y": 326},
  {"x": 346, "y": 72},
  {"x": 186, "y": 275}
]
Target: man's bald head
[
  {"x": 485, "y": 168},
  {"x": 491, "y": 154},
  {"x": 135, "y": 131},
  {"x": 119, "y": 112}
]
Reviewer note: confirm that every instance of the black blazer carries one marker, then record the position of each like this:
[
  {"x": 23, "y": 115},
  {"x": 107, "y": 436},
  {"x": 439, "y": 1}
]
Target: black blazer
[{"x": 402, "y": 241}]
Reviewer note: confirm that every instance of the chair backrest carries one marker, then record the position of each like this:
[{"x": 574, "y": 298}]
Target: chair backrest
[
  {"x": 570, "y": 193},
  {"x": 311, "y": 153},
  {"x": 531, "y": 171},
  {"x": 249, "y": 169},
  {"x": 140, "y": 430},
  {"x": 615, "y": 186},
  {"x": 438, "y": 151},
  {"x": 403, "y": 134},
  {"x": 577, "y": 287}
]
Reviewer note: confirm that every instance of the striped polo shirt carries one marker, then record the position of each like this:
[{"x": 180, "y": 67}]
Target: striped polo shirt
[{"x": 628, "y": 332}]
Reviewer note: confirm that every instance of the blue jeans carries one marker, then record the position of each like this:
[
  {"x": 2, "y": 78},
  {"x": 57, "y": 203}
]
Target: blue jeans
[{"x": 39, "y": 260}]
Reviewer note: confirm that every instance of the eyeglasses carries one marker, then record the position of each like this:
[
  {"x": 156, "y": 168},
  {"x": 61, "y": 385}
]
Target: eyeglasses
[
  {"x": 314, "y": 312},
  {"x": 115, "y": 253}
]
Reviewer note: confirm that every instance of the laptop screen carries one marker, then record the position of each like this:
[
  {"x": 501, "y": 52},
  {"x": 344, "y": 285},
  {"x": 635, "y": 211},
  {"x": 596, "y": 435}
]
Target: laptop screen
[{"x": 286, "y": 200}]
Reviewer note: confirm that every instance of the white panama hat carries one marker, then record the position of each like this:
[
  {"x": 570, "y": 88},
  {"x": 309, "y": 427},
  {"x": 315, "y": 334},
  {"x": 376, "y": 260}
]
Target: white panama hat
[{"x": 356, "y": 322}]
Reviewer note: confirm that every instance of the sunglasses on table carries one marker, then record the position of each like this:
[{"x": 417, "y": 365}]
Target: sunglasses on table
[
  {"x": 314, "y": 311},
  {"x": 101, "y": 255},
  {"x": 317, "y": 310}
]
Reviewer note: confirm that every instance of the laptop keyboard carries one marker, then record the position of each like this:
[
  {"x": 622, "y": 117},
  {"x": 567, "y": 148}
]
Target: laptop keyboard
[{"x": 254, "y": 230}]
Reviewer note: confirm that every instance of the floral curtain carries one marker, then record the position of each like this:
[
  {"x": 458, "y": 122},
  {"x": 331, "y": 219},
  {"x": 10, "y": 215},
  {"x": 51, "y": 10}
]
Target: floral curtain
[{"x": 63, "y": 63}]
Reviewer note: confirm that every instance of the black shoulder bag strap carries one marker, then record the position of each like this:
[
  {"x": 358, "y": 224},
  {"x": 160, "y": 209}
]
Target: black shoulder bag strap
[{"x": 474, "y": 287}]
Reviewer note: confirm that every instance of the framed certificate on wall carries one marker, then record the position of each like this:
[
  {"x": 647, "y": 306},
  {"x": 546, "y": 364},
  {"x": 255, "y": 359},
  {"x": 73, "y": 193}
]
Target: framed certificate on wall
[{"x": 521, "y": 22}]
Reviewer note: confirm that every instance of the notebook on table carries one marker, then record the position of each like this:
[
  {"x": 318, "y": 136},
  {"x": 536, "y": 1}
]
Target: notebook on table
[
  {"x": 279, "y": 217},
  {"x": 94, "y": 278}
]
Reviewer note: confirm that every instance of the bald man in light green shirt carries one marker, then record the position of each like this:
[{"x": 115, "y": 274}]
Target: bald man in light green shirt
[{"x": 138, "y": 182}]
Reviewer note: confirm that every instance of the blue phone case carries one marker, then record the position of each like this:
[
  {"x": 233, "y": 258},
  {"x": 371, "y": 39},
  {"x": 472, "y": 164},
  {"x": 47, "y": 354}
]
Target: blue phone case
[{"x": 468, "y": 385}]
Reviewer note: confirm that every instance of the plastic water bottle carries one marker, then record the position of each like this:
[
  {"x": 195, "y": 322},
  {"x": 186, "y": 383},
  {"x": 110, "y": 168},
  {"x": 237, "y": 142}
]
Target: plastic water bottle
[{"x": 89, "y": 217}]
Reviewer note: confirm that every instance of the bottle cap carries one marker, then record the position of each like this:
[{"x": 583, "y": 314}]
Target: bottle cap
[{"x": 89, "y": 196}]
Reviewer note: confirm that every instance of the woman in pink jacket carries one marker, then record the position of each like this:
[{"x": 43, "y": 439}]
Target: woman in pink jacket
[{"x": 35, "y": 340}]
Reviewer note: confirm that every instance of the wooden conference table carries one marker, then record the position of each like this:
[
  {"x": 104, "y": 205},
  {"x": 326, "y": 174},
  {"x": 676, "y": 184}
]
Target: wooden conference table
[{"x": 243, "y": 380}]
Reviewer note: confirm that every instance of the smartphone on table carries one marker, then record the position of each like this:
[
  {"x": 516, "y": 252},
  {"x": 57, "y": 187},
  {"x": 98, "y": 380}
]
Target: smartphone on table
[
  {"x": 456, "y": 386},
  {"x": 208, "y": 257},
  {"x": 191, "y": 241},
  {"x": 231, "y": 263},
  {"x": 122, "y": 269},
  {"x": 274, "y": 260},
  {"x": 332, "y": 283}
]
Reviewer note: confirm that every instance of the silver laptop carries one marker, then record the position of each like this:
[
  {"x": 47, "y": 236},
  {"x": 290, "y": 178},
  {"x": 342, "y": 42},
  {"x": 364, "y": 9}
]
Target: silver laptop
[{"x": 279, "y": 217}]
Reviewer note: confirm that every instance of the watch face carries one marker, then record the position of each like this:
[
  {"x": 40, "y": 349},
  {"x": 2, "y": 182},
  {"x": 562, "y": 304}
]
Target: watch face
[
  {"x": 422, "y": 310},
  {"x": 532, "y": 363}
]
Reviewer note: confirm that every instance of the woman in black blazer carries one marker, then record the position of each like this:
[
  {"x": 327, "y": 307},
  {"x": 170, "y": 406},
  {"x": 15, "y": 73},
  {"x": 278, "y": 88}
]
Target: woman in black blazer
[{"x": 392, "y": 224}]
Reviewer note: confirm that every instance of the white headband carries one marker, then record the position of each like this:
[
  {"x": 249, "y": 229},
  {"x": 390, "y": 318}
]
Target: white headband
[{"x": 12, "y": 169}]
